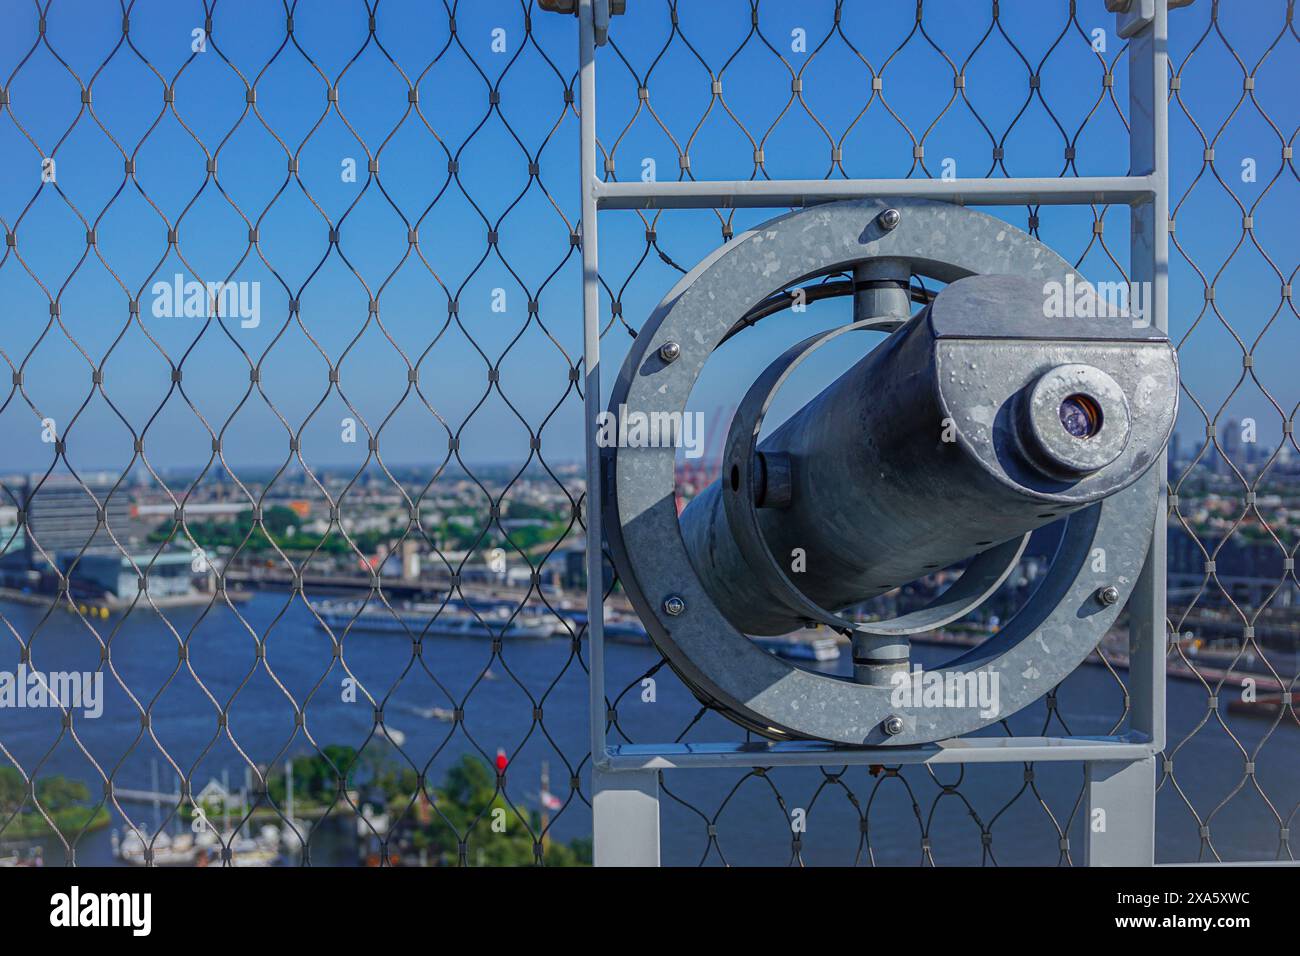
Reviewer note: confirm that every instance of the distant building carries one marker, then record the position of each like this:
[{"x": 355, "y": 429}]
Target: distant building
[
  {"x": 65, "y": 516},
  {"x": 575, "y": 570},
  {"x": 1175, "y": 456},
  {"x": 64, "y": 533},
  {"x": 15, "y": 569},
  {"x": 410, "y": 560},
  {"x": 170, "y": 574},
  {"x": 1251, "y": 572},
  {"x": 1230, "y": 442}
]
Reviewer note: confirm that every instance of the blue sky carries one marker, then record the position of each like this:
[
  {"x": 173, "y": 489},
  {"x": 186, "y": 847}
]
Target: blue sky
[{"x": 493, "y": 145}]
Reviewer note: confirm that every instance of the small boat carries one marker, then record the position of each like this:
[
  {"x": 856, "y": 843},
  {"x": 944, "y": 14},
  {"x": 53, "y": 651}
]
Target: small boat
[
  {"x": 164, "y": 849},
  {"x": 31, "y": 856},
  {"x": 248, "y": 851},
  {"x": 625, "y": 632},
  {"x": 432, "y": 620},
  {"x": 819, "y": 649},
  {"x": 429, "y": 713},
  {"x": 1268, "y": 707},
  {"x": 618, "y": 629}
]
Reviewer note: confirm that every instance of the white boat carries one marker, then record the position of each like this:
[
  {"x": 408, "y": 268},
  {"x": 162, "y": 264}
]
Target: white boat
[
  {"x": 619, "y": 628},
  {"x": 428, "y": 713},
  {"x": 432, "y": 620},
  {"x": 820, "y": 649},
  {"x": 165, "y": 849},
  {"x": 624, "y": 629}
]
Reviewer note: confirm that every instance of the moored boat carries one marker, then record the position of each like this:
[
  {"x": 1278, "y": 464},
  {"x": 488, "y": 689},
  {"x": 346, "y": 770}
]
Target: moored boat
[
  {"x": 432, "y": 620},
  {"x": 818, "y": 649}
]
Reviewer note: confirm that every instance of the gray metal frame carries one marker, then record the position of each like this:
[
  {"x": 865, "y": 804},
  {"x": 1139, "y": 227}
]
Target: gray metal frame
[{"x": 1120, "y": 770}]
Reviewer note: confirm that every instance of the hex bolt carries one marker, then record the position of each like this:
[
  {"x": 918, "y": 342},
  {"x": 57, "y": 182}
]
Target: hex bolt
[
  {"x": 1108, "y": 595},
  {"x": 674, "y": 606},
  {"x": 892, "y": 725},
  {"x": 890, "y": 218},
  {"x": 670, "y": 352}
]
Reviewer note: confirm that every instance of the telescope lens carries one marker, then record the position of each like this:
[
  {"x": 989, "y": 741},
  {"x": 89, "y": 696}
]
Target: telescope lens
[{"x": 1080, "y": 416}]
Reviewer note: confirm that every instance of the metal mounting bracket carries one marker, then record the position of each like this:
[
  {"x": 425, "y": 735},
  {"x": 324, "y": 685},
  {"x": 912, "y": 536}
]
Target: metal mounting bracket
[{"x": 1052, "y": 634}]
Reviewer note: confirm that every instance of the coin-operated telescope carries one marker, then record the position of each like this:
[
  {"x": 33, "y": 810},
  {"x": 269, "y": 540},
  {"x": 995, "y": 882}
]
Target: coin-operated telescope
[{"x": 989, "y": 413}]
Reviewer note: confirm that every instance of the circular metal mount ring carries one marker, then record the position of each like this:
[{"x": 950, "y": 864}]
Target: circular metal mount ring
[
  {"x": 984, "y": 575},
  {"x": 1047, "y": 639}
]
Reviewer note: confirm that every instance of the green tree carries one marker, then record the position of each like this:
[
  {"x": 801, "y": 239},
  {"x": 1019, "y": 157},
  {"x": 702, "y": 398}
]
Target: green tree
[
  {"x": 61, "y": 798},
  {"x": 60, "y": 793},
  {"x": 315, "y": 778},
  {"x": 469, "y": 803},
  {"x": 278, "y": 519},
  {"x": 13, "y": 789}
]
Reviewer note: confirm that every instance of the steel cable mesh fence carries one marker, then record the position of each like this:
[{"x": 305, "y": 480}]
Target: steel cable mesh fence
[
  {"x": 364, "y": 278},
  {"x": 1232, "y": 538},
  {"x": 783, "y": 55},
  {"x": 749, "y": 90}
]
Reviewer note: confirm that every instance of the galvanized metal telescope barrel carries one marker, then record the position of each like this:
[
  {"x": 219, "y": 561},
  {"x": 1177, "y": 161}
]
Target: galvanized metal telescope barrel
[{"x": 879, "y": 480}]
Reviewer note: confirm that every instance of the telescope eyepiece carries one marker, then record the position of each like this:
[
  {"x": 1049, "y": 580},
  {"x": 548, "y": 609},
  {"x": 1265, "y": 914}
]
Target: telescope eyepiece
[
  {"x": 1074, "y": 421},
  {"x": 1081, "y": 415}
]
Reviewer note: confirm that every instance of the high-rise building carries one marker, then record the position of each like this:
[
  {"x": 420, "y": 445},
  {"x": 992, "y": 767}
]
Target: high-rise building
[
  {"x": 1230, "y": 442},
  {"x": 65, "y": 516}
]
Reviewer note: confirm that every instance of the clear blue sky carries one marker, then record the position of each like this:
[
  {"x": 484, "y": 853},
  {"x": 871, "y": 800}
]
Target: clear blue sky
[{"x": 494, "y": 145}]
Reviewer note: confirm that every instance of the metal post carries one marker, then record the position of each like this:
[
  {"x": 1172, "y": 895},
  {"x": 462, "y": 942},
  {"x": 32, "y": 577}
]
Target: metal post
[
  {"x": 591, "y": 363},
  {"x": 625, "y": 817},
  {"x": 1149, "y": 263},
  {"x": 1121, "y": 796},
  {"x": 624, "y": 805},
  {"x": 1121, "y": 822}
]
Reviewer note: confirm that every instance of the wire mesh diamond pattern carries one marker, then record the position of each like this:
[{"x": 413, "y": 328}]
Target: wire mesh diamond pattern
[{"x": 292, "y": 326}]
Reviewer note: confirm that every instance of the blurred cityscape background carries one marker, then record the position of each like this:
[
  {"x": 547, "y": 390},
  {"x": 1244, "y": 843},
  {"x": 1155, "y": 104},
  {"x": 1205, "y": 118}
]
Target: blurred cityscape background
[{"x": 461, "y": 583}]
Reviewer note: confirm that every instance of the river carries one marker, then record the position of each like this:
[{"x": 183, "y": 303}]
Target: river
[{"x": 752, "y": 826}]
